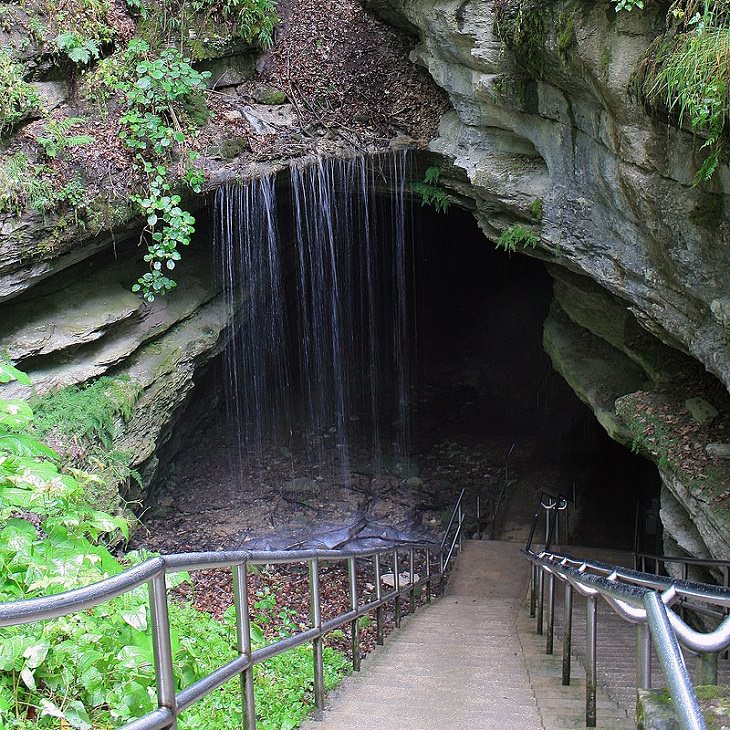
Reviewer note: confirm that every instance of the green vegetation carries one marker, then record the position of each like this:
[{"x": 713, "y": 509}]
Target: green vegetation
[
  {"x": 520, "y": 26},
  {"x": 628, "y": 4},
  {"x": 150, "y": 86},
  {"x": 517, "y": 236},
  {"x": 536, "y": 209},
  {"x": 94, "y": 669},
  {"x": 163, "y": 104},
  {"x": 566, "y": 32},
  {"x": 91, "y": 411},
  {"x": 17, "y": 98},
  {"x": 24, "y": 185},
  {"x": 56, "y": 137},
  {"x": 431, "y": 192},
  {"x": 689, "y": 79},
  {"x": 686, "y": 76},
  {"x": 82, "y": 422},
  {"x": 204, "y": 28}
]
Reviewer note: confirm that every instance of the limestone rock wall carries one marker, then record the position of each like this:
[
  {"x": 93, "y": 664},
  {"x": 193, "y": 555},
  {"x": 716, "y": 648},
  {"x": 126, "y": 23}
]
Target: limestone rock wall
[
  {"x": 616, "y": 185},
  {"x": 553, "y": 140}
]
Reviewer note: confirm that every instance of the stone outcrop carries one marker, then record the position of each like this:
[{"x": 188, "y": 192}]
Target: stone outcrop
[
  {"x": 551, "y": 138},
  {"x": 552, "y": 141}
]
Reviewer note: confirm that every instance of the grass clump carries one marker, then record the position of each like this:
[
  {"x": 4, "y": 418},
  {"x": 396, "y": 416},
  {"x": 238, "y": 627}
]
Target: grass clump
[
  {"x": 686, "y": 76},
  {"x": 23, "y": 185}
]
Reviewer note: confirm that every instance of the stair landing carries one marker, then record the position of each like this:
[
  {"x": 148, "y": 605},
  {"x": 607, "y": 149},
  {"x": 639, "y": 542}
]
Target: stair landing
[{"x": 459, "y": 664}]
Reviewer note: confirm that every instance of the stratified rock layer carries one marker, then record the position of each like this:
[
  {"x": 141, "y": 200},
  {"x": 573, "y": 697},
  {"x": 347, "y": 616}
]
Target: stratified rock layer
[{"x": 554, "y": 141}]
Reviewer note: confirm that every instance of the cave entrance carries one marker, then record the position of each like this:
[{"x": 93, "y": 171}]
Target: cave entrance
[{"x": 484, "y": 406}]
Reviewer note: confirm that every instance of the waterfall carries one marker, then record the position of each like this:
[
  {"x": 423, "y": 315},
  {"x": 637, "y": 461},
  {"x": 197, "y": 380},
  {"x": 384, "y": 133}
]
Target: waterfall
[{"x": 319, "y": 293}]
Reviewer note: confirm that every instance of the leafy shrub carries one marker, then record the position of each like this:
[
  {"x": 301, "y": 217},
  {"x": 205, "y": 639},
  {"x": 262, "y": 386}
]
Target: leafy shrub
[
  {"x": 515, "y": 236},
  {"x": 17, "y": 98},
  {"x": 95, "y": 668},
  {"x": 628, "y": 4},
  {"x": 161, "y": 95},
  {"x": 79, "y": 50}
]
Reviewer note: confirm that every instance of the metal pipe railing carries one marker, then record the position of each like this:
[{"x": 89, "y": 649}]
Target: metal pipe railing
[
  {"x": 644, "y": 599},
  {"x": 153, "y": 572}
]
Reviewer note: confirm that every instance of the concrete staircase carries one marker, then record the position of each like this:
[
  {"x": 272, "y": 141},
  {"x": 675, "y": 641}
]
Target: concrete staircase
[{"x": 470, "y": 661}]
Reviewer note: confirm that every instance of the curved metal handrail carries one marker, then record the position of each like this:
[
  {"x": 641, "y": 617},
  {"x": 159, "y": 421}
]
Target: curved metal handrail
[
  {"x": 152, "y": 572},
  {"x": 643, "y": 599}
]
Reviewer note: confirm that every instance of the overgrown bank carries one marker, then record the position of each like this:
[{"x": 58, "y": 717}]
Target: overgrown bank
[{"x": 95, "y": 669}]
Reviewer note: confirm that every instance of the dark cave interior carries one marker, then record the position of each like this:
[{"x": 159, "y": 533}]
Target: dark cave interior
[{"x": 480, "y": 378}]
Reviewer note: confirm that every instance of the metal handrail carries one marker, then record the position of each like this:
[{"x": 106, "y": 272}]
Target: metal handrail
[
  {"x": 643, "y": 599},
  {"x": 553, "y": 505},
  {"x": 450, "y": 542},
  {"x": 153, "y": 571}
]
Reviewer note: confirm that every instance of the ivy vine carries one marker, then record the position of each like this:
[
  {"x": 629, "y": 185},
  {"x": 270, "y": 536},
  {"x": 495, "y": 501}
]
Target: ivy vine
[{"x": 163, "y": 105}]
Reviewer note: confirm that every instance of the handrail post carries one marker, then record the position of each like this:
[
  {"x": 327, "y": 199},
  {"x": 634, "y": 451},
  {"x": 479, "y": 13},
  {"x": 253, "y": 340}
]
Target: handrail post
[
  {"x": 379, "y": 633},
  {"x": 162, "y": 646},
  {"x": 412, "y": 576},
  {"x": 643, "y": 656},
  {"x": 315, "y": 617},
  {"x": 540, "y": 581},
  {"x": 550, "y": 613},
  {"x": 396, "y": 586},
  {"x": 706, "y": 668},
  {"x": 479, "y": 517},
  {"x": 670, "y": 656},
  {"x": 243, "y": 641},
  {"x": 428, "y": 576},
  {"x": 591, "y": 616},
  {"x": 461, "y": 528},
  {"x": 567, "y": 632},
  {"x": 354, "y": 624}
]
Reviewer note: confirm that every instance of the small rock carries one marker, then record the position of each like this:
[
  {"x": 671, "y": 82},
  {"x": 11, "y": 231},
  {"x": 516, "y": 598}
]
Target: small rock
[
  {"x": 701, "y": 410},
  {"x": 51, "y": 93},
  {"x": 720, "y": 451},
  {"x": 404, "y": 579},
  {"x": 301, "y": 484},
  {"x": 270, "y": 95},
  {"x": 414, "y": 482}
]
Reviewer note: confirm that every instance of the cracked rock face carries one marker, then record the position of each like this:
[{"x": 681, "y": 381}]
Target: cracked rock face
[
  {"x": 615, "y": 185},
  {"x": 553, "y": 140}
]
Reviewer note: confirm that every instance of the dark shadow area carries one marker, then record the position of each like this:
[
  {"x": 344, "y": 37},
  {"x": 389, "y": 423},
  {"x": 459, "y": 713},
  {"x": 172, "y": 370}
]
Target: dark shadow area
[{"x": 480, "y": 386}]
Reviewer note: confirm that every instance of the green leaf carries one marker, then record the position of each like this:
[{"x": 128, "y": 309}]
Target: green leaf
[
  {"x": 23, "y": 445},
  {"x": 136, "y": 618},
  {"x": 15, "y": 413},
  {"x": 76, "y": 716},
  {"x": 36, "y": 654},
  {"x": 8, "y": 373}
]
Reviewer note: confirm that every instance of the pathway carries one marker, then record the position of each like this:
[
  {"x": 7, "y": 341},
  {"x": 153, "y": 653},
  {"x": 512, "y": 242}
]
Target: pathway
[{"x": 467, "y": 662}]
